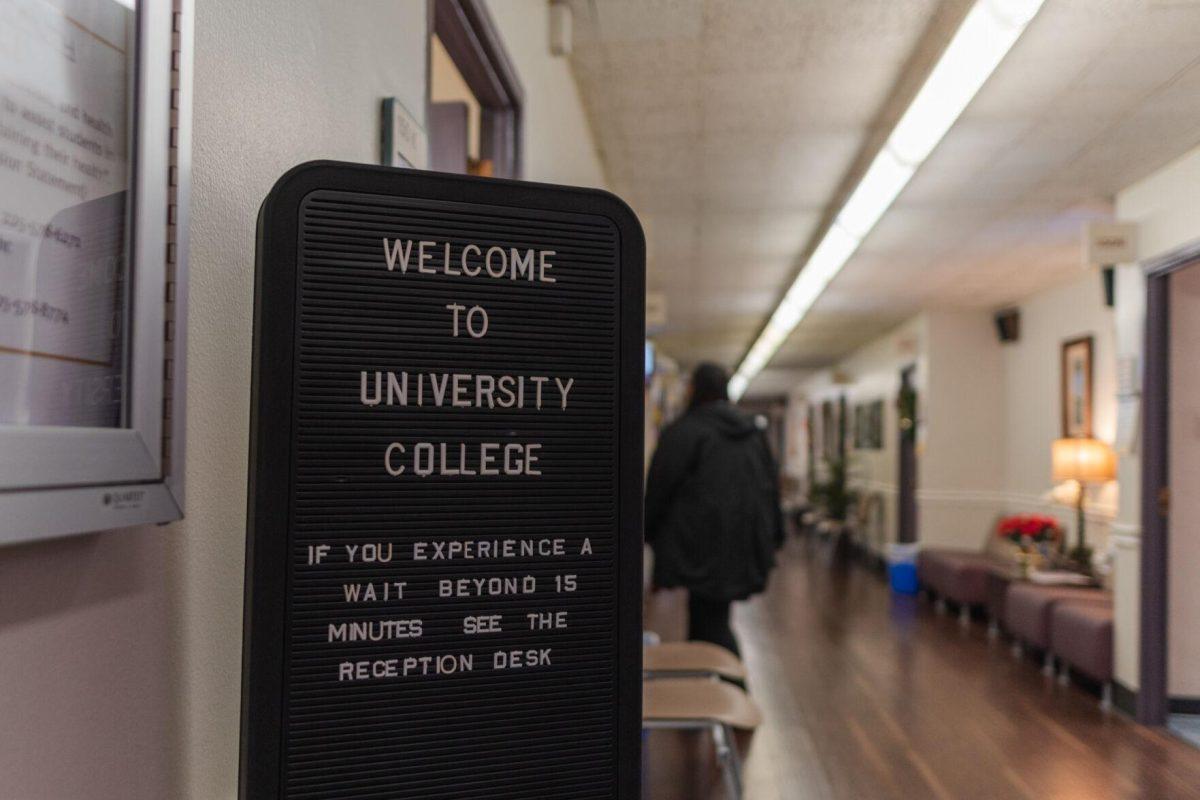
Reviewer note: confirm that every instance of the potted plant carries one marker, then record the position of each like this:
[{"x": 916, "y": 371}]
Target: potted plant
[
  {"x": 832, "y": 495},
  {"x": 1030, "y": 533}
]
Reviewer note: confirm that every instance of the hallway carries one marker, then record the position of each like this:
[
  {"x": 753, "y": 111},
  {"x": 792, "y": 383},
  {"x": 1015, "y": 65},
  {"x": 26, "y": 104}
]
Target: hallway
[{"x": 869, "y": 696}]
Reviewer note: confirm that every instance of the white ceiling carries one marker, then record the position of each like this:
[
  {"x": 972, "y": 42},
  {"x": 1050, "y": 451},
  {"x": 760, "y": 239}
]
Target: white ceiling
[{"x": 729, "y": 127}]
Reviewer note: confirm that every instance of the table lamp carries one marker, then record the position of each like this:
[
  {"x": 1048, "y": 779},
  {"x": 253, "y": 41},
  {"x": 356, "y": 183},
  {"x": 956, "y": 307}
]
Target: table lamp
[{"x": 1083, "y": 461}]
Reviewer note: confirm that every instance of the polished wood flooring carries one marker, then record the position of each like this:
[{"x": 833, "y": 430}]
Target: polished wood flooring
[{"x": 871, "y": 697}]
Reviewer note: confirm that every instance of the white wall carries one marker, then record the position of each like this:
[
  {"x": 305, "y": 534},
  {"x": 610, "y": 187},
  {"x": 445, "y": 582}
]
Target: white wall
[
  {"x": 277, "y": 83},
  {"x": 871, "y": 373},
  {"x": 126, "y": 646},
  {"x": 988, "y": 412},
  {"x": 1125, "y": 541},
  {"x": 122, "y": 651},
  {"x": 559, "y": 146},
  {"x": 935, "y": 342},
  {"x": 962, "y": 449},
  {"x": 1033, "y": 398},
  {"x": 1166, "y": 208},
  {"x": 959, "y": 381},
  {"x": 86, "y": 656}
]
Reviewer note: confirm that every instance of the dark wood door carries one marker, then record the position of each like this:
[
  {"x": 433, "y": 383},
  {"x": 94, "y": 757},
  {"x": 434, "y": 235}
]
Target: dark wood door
[
  {"x": 906, "y": 433},
  {"x": 448, "y": 137}
]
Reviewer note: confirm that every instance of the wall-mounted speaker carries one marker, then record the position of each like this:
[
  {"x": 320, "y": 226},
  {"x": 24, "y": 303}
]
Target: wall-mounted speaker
[
  {"x": 1108, "y": 276},
  {"x": 1008, "y": 324}
]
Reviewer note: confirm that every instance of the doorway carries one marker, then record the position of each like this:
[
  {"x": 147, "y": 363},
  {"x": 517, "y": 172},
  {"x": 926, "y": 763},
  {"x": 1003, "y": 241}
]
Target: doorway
[
  {"x": 475, "y": 98},
  {"x": 1169, "y": 691},
  {"x": 906, "y": 433}
]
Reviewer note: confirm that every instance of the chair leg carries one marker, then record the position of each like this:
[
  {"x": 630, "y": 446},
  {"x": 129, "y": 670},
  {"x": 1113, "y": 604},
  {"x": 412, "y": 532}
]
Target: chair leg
[
  {"x": 1018, "y": 650},
  {"x": 1048, "y": 664},
  {"x": 964, "y": 615},
  {"x": 993, "y": 628},
  {"x": 1106, "y": 701},
  {"x": 940, "y": 606},
  {"x": 1064, "y": 673},
  {"x": 727, "y": 756}
]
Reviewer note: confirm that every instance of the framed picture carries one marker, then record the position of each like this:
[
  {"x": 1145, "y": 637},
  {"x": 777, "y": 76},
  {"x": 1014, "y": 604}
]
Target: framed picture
[
  {"x": 812, "y": 447},
  {"x": 875, "y": 425},
  {"x": 1077, "y": 387},
  {"x": 829, "y": 447},
  {"x": 868, "y": 425}
]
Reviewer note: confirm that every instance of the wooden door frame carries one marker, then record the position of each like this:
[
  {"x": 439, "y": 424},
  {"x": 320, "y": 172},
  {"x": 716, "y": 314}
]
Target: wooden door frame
[
  {"x": 1153, "y": 699},
  {"x": 473, "y": 41}
]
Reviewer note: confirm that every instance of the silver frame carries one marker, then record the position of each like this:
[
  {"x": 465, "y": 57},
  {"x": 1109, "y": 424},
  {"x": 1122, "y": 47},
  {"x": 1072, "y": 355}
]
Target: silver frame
[{"x": 56, "y": 481}]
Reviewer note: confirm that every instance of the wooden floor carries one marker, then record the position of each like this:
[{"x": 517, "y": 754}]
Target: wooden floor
[{"x": 871, "y": 697}]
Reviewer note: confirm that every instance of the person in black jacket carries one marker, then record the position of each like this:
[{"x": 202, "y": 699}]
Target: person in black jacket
[{"x": 712, "y": 507}]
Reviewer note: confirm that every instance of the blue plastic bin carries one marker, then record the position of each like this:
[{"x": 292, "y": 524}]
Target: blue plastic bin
[{"x": 902, "y": 568}]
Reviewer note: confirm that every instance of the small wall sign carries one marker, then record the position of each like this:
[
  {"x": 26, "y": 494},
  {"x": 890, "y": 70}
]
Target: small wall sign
[
  {"x": 404, "y": 142},
  {"x": 1109, "y": 243},
  {"x": 444, "y": 542}
]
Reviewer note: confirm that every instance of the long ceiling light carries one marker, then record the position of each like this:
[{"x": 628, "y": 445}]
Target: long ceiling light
[{"x": 985, "y": 36}]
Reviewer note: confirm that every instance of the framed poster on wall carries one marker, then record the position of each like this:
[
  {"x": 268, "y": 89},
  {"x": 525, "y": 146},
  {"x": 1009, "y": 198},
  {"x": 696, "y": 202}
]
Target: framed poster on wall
[
  {"x": 868, "y": 425},
  {"x": 1077, "y": 387},
  {"x": 94, "y": 136}
]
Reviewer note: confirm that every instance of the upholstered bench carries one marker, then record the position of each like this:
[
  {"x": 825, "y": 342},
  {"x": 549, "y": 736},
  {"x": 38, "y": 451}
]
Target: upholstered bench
[
  {"x": 1081, "y": 636},
  {"x": 1028, "y": 608},
  {"x": 960, "y": 576}
]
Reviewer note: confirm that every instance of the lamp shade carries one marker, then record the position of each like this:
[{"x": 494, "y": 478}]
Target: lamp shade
[{"x": 1083, "y": 460}]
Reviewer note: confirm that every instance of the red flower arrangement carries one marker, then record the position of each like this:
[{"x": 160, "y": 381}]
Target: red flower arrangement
[{"x": 1025, "y": 530}]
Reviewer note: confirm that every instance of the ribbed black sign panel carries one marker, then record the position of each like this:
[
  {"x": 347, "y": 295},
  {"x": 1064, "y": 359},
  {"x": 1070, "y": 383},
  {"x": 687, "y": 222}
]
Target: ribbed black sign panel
[{"x": 445, "y": 547}]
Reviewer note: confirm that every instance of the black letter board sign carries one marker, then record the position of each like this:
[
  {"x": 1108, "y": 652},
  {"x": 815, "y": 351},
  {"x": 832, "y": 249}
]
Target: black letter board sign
[{"x": 443, "y": 569}]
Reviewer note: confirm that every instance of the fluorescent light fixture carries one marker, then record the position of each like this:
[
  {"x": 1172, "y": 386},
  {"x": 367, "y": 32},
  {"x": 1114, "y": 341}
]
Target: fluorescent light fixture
[
  {"x": 985, "y": 36},
  {"x": 981, "y": 42},
  {"x": 827, "y": 260},
  {"x": 883, "y": 180}
]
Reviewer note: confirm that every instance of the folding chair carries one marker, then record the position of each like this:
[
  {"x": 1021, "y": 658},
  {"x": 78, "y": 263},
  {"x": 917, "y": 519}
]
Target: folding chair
[{"x": 703, "y": 704}]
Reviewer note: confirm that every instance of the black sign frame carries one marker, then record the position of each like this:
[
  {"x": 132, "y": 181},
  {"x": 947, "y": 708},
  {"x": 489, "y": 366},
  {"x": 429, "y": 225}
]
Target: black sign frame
[{"x": 261, "y": 773}]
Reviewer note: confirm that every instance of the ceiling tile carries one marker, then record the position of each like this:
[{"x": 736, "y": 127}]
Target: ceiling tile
[{"x": 729, "y": 127}]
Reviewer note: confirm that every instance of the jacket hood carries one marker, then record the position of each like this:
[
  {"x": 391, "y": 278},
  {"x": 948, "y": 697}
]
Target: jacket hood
[{"x": 727, "y": 420}]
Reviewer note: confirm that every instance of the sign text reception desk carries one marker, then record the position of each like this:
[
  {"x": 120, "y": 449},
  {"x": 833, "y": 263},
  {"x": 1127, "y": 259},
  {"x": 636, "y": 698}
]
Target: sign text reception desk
[{"x": 443, "y": 563}]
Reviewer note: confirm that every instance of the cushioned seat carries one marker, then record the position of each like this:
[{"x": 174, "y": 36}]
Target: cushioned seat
[
  {"x": 694, "y": 659},
  {"x": 957, "y": 575},
  {"x": 1081, "y": 634},
  {"x": 698, "y": 700},
  {"x": 1028, "y": 607}
]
